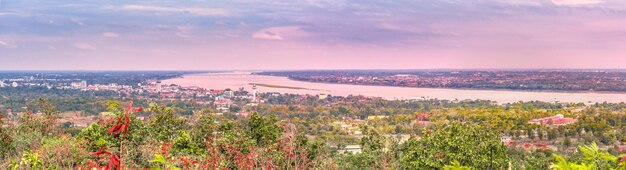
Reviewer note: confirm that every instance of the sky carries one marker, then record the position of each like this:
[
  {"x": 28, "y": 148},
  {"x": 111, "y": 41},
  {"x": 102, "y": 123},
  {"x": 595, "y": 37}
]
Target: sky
[{"x": 311, "y": 34}]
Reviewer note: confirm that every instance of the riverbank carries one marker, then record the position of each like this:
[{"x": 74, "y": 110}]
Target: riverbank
[
  {"x": 490, "y": 89},
  {"x": 279, "y": 86},
  {"x": 285, "y": 85}
]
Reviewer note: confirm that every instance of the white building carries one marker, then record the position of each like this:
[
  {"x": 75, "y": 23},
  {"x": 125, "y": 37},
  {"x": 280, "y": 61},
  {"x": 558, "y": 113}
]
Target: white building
[
  {"x": 79, "y": 85},
  {"x": 83, "y": 84},
  {"x": 354, "y": 149},
  {"x": 159, "y": 88},
  {"x": 14, "y": 84},
  {"x": 253, "y": 92},
  {"x": 229, "y": 93}
]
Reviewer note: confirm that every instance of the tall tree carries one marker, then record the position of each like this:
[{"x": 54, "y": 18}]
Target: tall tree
[{"x": 470, "y": 145}]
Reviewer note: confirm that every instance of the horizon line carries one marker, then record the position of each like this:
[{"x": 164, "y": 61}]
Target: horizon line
[{"x": 334, "y": 69}]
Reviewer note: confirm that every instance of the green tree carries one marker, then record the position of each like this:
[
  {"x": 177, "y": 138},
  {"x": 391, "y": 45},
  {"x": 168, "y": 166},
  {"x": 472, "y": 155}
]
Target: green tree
[
  {"x": 183, "y": 144},
  {"x": 562, "y": 164},
  {"x": 471, "y": 145},
  {"x": 372, "y": 139},
  {"x": 263, "y": 131},
  {"x": 203, "y": 129},
  {"x": 456, "y": 166},
  {"x": 593, "y": 156},
  {"x": 165, "y": 123}
]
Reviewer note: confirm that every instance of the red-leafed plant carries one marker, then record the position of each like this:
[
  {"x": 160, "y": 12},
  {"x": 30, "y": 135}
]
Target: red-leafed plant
[
  {"x": 119, "y": 128},
  {"x": 5, "y": 140},
  {"x": 122, "y": 122},
  {"x": 214, "y": 157},
  {"x": 114, "y": 160},
  {"x": 163, "y": 160}
]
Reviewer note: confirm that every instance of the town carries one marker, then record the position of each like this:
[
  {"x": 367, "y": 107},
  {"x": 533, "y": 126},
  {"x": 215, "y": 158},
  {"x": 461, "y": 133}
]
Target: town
[{"x": 549, "y": 80}]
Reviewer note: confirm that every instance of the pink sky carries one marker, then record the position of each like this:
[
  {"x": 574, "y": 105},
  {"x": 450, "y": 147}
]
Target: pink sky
[{"x": 312, "y": 34}]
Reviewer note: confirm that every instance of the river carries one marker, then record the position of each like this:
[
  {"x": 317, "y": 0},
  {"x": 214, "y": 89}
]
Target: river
[{"x": 236, "y": 80}]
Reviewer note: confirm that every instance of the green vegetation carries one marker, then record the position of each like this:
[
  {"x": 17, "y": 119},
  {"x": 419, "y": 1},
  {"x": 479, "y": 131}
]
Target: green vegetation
[
  {"x": 469, "y": 145},
  {"x": 305, "y": 132}
]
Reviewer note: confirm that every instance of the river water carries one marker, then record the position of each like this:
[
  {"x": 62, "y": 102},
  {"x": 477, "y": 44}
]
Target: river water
[{"x": 236, "y": 80}]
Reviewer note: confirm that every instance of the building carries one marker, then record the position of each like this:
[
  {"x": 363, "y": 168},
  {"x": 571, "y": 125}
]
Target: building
[
  {"x": 243, "y": 114},
  {"x": 79, "y": 85},
  {"x": 557, "y": 120},
  {"x": 158, "y": 87},
  {"x": 14, "y": 84},
  {"x": 354, "y": 149},
  {"x": 229, "y": 93},
  {"x": 253, "y": 92},
  {"x": 1, "y": 83}
]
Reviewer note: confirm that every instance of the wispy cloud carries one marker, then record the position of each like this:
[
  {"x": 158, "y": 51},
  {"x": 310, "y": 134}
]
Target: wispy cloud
[
  {"x": 110, "y": 35},
  {"x": 280, "y": 33},
  {"x": 7, "y": 45},
  {"x": 84, "y": 46},
  {"x": 517, "y": 2},
  {"x": 5, "y": 13},
  {"x": 576, "y": 2},
  {"x": 194, "y": 11}
]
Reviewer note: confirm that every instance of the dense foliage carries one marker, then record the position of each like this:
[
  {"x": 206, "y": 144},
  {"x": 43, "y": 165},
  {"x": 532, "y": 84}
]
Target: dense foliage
[
  {"x": 469, "y": 145},
  {"x": 295, "y": 132}
]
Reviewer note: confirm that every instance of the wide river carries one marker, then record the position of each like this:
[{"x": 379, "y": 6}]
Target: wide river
[{"x": 236, "y": 80}]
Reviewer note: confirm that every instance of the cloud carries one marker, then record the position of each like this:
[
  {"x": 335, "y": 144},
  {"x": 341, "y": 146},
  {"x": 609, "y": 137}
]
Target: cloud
[
  {"x": 394, "y": 27},
  {"x": 280, "y": 33},
  {"x": 517, "y": 2},
  {"x": 195, "y": 11},
  {"x": 7, "y": 45},
  {"x": 575, "y": 2},
  {"x": 110, "y": 35},
  {"x": 84, "y": 46},
  {"x": 2, "y": 13}
]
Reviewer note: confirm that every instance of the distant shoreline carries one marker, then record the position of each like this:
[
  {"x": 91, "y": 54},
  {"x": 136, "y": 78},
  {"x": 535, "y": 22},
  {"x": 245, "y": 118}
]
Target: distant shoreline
[
  {"x": 280, "y": 86},
  {"x": 484, "y": 89},
  {"x": 449, "y": 88}
]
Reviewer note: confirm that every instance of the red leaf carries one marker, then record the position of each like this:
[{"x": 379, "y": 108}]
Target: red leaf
[
  {"x": 123, "y": 128},
  {"x": 139, "y": 110},
  {"x": 129, "y": 107},
  {"x": 114, "y": 128},
  {"x": 101, "y": 151}
]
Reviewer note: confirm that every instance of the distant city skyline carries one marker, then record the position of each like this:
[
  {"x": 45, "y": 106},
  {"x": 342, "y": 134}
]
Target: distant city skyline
[{"x": 312, "y": 34}]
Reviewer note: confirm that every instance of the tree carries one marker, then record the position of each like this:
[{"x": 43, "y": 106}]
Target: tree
[
  {"x": 263, "y": 131},
  {"x": 562, "y": 164},
  {"x": 203, "y": 129},
  {"x": 456, "y": 166},
  {"x": 184, "y": 144},
  {"x": 567, "y": 142},
  {"x": 5, "y": 140},
  {"x": 592, "y": 158},
  {"x": 372, "y": 140},
  {"x": 471, "y": 145},
  {"x": 165, "y": 123}
]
